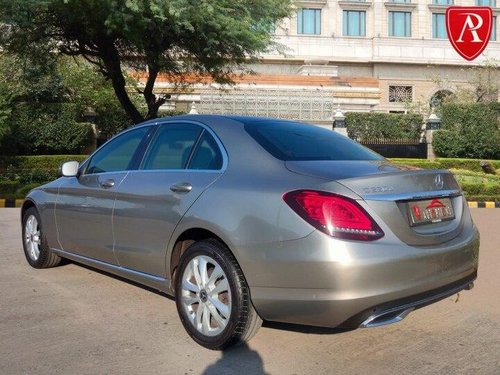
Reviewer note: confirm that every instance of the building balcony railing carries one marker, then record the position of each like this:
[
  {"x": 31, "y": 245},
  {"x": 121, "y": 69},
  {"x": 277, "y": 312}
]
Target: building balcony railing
[{"x": 379, "y": 49}]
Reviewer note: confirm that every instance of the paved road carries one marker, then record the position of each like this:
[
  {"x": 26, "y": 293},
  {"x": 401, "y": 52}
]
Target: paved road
[{"x": 71, "y": 319}]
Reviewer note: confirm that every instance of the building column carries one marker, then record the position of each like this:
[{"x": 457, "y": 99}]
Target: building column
[
  {"x": 433, "y": 124},
  {"x": 339, "y": 122}
]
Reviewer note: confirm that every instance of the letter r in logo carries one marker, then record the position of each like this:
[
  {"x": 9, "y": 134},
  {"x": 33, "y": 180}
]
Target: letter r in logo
[
  {"x": 469, "y": 29},
  {"x": 470, "y": 26}
]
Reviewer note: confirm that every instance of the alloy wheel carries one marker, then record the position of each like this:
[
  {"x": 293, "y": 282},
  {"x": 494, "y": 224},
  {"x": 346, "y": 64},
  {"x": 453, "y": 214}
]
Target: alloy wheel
[
  {"x": 32, "y": 237},
  {"x": 206, "y": 295}
]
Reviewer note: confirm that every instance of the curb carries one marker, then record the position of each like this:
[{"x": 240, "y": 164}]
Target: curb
[
  {"x": 484, "y": 204},
  {"x": 7, "y": 203}
]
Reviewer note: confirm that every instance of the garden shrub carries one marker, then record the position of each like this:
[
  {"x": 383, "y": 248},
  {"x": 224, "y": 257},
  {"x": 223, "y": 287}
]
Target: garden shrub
[
  {"x": 472, "y": 188},
  {"x": 8, "y": 187},
  {"x": 482, "y": 197},
  {"x": 468, "y": 131},
  {"x": 47, "y": 129},
  {"x": 37, "y": 161},
  {"x": 23, "y": 191},
  {"x": 19, "y": 174},
  {"x": 383, "y": 125},
  {"x": 37, "y": 176}
]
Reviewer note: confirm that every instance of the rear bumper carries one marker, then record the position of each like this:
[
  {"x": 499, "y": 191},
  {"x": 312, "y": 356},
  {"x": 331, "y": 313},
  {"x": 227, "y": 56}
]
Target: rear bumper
[
  {"x": 324, "y": 282},
  {"x": 395, "y": 311}
]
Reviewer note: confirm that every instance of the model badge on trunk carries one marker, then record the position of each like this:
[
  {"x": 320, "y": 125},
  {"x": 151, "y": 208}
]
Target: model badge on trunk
[{"x": 378, "y": 189}]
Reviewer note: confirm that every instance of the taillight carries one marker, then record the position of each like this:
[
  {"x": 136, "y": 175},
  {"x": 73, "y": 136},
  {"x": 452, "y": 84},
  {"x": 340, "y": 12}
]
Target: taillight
[{"x": 334, "y": 214}]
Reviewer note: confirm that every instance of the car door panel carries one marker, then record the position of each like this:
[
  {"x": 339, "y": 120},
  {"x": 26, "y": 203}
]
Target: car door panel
[
  {"x": 85, "y": 203},
  {"x": 147, "y": 212},
  {"x": 83, "y": 215}
]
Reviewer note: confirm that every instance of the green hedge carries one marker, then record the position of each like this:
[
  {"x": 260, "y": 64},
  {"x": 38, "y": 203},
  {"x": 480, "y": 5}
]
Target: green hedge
[
  {"x": 383, "y": 125},
  {"x": 15, "y": 189},
  {"x": 482, "y": 198},
  {"x": 8, "y": 188},
  {"x": 447, "y": 163},
  {"x": 34, "y": 162},
  {"x": 19, "y": 174},
  {"x": 468, "y": 131},
  {"x": 473, "y": 188},
  {"x": 24, "y": 190}
]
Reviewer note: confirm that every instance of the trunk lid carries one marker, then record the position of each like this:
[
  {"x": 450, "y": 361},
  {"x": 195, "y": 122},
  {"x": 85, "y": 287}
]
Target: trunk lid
[{"x": 388, "y": 189}]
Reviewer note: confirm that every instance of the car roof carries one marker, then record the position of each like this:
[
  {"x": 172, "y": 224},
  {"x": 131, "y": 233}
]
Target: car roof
[{"x": 211, "y": 118}]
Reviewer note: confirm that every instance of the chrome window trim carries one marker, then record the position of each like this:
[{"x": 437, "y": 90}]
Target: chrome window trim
[
  {"x": 156, "y": 124},
  {"x": 177, "y": 170}
]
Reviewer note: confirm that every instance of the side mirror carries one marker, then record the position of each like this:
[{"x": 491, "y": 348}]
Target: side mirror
[{"x": 70, "y": 169}]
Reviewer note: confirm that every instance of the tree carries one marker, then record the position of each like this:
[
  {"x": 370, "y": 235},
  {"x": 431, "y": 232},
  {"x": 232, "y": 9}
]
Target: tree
[
  {"x": 482, "y": 85},
  {"x": 24, "y": 80},
  {"x": 87, "y": 89},
  {"x": 4, "y": 114},
  {"x": 43, "y": 102},
  {"x": 176, "y": 37},
  {"x": 470, "y": 115}
]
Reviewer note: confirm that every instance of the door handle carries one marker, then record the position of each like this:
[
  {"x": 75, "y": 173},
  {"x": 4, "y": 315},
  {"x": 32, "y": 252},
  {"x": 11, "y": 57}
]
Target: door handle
[
  {"x": 106, "y": 184},
  {"x": 182, "y": 187}
]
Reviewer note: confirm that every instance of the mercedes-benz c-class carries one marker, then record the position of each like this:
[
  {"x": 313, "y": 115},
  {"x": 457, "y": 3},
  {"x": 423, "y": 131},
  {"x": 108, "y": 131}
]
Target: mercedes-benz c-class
[{"x": 248, "y": 219}]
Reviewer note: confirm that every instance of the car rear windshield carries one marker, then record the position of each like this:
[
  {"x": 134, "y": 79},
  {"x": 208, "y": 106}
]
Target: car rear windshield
[{"x": 295, "y": 141}]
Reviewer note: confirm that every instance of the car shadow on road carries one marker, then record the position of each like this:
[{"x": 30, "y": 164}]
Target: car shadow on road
[
  {"x": 241, "y": 359},
  {"x": 306, "y": 329},
  {"x": 131, "y": 282},
  {"x": 272, "y": 325}
]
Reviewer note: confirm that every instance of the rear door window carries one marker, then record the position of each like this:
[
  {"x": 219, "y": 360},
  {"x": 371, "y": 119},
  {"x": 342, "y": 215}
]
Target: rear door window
[
  {"x": 172, "y": 146},
  {"x": 207, "y": 155}
]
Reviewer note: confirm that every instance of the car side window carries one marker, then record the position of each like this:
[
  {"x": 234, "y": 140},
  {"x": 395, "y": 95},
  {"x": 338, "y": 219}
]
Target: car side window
[
  {"x": 118, "y": 153},
  {"x": 207, "y": 155},
  {"x": 172, "y": 146}
]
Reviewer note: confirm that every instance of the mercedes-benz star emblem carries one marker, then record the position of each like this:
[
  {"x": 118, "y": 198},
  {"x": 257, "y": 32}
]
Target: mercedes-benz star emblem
[{"x": 439, "y": 182}]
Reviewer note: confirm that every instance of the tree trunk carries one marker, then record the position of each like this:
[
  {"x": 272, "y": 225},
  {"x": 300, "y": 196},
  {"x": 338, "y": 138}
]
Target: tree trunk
[
  {"x": 153, "y": 102},
  {"x": 122, "y": 95},
  {"x": 111, "y": 60}
]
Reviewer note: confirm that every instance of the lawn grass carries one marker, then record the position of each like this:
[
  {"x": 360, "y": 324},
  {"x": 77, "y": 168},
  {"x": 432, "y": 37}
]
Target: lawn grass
[{"x": 476, "y": 184}]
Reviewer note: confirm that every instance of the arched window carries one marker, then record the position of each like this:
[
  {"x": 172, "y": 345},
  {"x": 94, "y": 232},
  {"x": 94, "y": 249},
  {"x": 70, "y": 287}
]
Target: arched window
[{"x": 438, "y": 98}]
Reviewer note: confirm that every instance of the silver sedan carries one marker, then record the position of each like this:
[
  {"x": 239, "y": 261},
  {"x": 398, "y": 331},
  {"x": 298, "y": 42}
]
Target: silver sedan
[{"x": 247, "y": 219}]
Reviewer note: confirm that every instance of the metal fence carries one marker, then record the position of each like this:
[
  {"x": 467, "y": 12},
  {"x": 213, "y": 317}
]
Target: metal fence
[{"x": 397, "y": 148}]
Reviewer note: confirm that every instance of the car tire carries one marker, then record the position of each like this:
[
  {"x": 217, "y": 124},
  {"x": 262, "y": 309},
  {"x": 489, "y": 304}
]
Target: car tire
[
  {"x": 36, "y": 248},
  {"x": 217, "y": 312}
]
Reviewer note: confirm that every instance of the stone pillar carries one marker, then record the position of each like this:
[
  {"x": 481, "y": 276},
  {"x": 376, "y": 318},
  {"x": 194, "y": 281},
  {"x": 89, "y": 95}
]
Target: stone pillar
[
  {"x": 193, "y": 110},
  {"x": 90, "y": 116},
  {"x": 339, "y": 122},
  {"x": 433, "y": 124}
]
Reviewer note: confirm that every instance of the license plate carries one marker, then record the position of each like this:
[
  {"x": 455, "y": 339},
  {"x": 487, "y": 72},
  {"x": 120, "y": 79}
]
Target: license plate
[{"x": 430, "y": 211}]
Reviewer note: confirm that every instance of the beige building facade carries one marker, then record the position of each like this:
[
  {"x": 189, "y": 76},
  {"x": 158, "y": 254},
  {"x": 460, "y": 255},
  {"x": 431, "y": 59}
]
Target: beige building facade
[{"x": 375, "y": 55}]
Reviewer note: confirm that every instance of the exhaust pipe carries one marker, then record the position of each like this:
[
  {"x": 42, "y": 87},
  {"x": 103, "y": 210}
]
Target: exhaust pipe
[
  {"x": 386, "y": 317},
  {"x": 397, "y": 314}
]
